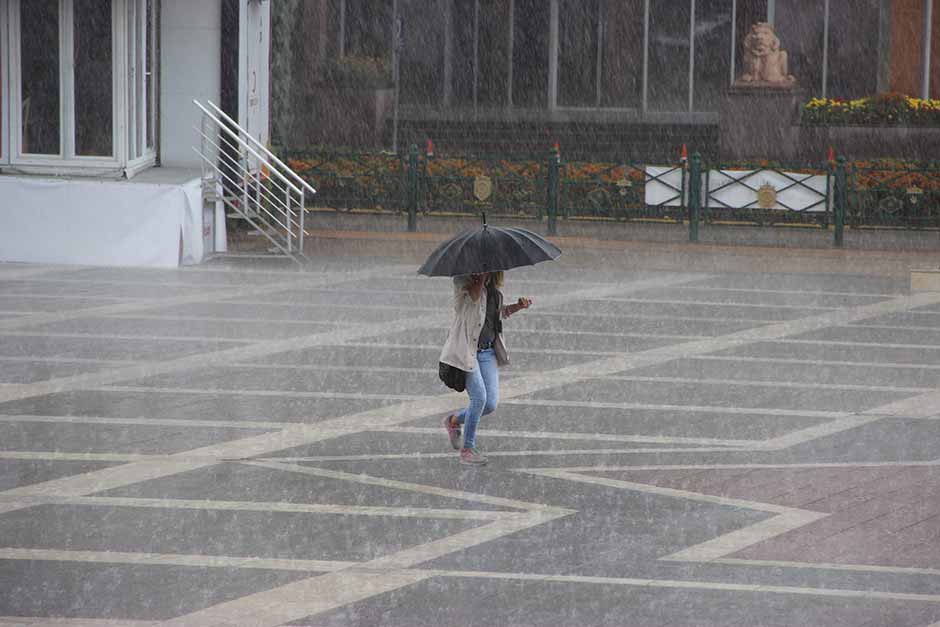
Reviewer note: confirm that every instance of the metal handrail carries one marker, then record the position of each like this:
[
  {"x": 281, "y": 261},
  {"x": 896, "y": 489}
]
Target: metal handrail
[
  {"x": 283, "y": 207},
  {"x": 244, "y": 144},
  {"x": 270, "y": 154},
  {"x": 267, "y": 196}
]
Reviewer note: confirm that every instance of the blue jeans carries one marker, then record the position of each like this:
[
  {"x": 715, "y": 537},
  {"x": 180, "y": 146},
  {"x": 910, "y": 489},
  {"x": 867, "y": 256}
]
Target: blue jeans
[{"x": 483, "y": 389}]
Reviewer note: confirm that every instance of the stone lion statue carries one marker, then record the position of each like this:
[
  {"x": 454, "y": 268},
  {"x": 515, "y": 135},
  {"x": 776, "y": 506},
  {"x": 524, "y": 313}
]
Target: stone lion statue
[{"x": 764, "y": 62}]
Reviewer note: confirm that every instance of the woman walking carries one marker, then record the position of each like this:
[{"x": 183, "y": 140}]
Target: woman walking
[{"x": 475, "y": 346}]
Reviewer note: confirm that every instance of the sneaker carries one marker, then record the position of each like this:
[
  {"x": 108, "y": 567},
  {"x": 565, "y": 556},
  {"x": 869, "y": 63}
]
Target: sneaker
[
  {"x": 453, "y": 431},
  {"x": 472, "y": 456}
]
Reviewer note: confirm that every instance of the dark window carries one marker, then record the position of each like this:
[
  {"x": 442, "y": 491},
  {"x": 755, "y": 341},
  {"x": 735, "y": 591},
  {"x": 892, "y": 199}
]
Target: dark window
[
  {"x": 712, "y": 52},
  {"x": 39, "y": 54},
  {"x": 668, "y": 87},
  {"x": 577, "y": 52},
  {"x": 530, "y": 53},
  {"x": 94, "y": 108}
]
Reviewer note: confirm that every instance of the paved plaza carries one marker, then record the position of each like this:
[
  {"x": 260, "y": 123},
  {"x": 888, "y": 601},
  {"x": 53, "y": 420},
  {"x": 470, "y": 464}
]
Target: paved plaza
[{"x": 227, "y": 445}]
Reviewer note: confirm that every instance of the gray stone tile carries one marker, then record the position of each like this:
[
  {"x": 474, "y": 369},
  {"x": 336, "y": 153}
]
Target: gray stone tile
[
  {"x": 28, "y": 304},
  {"x": 521, "y": 339},
  {"x": 471, "y": 601},
  {"x": 113, "y": 290},
  {"x": 99, "y": 438},
  {"x": 440, "y": 285},
  {"x": 916, "y": 317},
  {"x": 30, "y": 372},
  {"x": 391, "y": 443},
  {"x": 324, "y": 312},
  {"x": 685, "y": 310},
  {"x": 810, "y": 282},
  {"x": 769, "y": 298},
  {"x": 340, "y": 297},
  {"x": 178, "y": 276},
  {"x": 612, "y": 533},
  {"x": 368, "y": 356},
  {"x": 224, "y": 329},
  {"x": 914, "y": 337},
  {"x": 219, "y": 532},
  {"x": 124, "y": 592},
  {"x": 240, "y": 482},
  {"x": 16, "y": 473},
  {"x": 888, "y": 439},
  {"x": 649, "y": 422},
  {"x": 157, "y": 404},
  {"x": 885, "y": 354},
  {"x": 14, "y": 345},
  {"x": 425, "y": 356},
  {"x": 535, "y": 321},
  {"x": 796, "y": 373},
  {"x": 719, "y": 395},
  {"x": 289, "y": 379}
]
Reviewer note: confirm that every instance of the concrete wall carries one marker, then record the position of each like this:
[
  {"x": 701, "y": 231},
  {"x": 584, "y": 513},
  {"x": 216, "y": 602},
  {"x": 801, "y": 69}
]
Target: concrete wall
[{"x": 190, "y": 59}]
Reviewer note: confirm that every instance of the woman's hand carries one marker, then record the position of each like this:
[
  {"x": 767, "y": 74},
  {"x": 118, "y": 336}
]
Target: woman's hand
[{"x": 522, "y": 303}]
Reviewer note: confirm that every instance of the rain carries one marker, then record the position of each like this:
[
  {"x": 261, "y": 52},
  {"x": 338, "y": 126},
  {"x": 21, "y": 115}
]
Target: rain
[{"x": 522, "y": 313}]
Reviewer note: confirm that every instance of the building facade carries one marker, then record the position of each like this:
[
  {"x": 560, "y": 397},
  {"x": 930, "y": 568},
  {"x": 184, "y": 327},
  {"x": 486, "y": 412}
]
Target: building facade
[
  {"x": 643, "y": 61},
  {"x": 104, "y": 89}
]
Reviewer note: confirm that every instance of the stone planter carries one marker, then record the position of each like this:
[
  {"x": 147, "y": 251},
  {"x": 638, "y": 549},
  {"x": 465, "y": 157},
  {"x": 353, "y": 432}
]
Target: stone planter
[
  {"x": 872, "y": 142},
  {"x": 760, "y": 123},
  {"x": 344, "y": 117}
]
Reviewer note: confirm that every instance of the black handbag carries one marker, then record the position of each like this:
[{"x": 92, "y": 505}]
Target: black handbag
[{"x": 454, "y": 378}]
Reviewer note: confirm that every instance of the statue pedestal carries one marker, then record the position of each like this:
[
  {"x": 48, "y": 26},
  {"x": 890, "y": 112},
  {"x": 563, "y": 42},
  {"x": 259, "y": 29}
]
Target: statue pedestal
[{"x": 760, "y": 123}]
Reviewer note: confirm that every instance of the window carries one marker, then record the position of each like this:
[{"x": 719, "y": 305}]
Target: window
[
  {"x": 79, "y": 84},
  {"x": 94, "y": 79},
  {"x": 832, "y": 47},
  {"x": 531, "y": 23},
  {"x": 40, "y": 99},
  {"x": 141, "y": 64},
  {"x": 578, "y": 46},
  {"x": 668, "y": 72},
  {"x": 4, "y": 84},
  {"x": 422, "y": 73}
]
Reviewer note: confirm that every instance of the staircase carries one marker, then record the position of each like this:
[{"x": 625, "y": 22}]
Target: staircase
[{"x": 252, "y": 182}]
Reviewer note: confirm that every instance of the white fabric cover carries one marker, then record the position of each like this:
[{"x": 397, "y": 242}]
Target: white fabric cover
[{"x": 106, "y": 223}]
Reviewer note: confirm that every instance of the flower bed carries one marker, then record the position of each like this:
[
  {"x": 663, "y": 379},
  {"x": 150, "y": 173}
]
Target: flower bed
[
  {"x": 881, "y": 192},
  {"x": 890, "y": 109}
]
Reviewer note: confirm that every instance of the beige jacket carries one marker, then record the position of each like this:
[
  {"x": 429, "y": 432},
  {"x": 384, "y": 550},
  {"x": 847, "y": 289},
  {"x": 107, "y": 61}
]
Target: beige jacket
[{"x": 460, "y": 349}]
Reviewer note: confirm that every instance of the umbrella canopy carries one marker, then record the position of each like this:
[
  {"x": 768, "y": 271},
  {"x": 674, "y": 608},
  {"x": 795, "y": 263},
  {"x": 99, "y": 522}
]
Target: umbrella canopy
[{"x": 488, "y": 249}]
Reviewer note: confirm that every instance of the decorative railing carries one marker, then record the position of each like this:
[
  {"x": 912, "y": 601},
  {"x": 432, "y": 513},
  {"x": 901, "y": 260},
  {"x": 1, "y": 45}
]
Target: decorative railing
[
  {"x": 546, "y": 187},
  {"x": 251, "y": 181}
]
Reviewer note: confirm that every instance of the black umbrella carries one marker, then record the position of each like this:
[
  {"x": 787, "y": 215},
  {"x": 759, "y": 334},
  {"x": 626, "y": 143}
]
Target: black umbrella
[{"x": 488, "y": 249}]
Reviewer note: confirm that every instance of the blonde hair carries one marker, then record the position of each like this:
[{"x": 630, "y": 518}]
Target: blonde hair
[{"x": 497, "y": 278}]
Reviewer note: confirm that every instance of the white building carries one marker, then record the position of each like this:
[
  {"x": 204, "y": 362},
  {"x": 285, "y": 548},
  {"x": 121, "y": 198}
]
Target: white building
[{"x": 98, "y": 125}]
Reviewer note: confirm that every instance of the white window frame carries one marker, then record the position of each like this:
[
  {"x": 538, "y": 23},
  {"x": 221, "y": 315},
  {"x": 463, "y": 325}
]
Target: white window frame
[
  {"x": 4, "y": 83},
  {"x": 66, "y": 160},
  {"x": 140, "y": 112},
  {"x": 129, "y": 93}
]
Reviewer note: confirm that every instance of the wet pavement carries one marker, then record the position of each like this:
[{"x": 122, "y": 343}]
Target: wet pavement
[{"x": 227, "y": 445}]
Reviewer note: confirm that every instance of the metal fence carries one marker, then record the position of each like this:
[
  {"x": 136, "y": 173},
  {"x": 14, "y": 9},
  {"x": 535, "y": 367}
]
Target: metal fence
[
  {"x": 894, "y": 194},
  {"x": 688, "y": 191}
]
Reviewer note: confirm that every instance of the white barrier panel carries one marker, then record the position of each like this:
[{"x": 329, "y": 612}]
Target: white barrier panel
[
  {"x": 107, "y": 223},
  {"x": 662, "y": 190},
  {"x": 738, "y": 189}
]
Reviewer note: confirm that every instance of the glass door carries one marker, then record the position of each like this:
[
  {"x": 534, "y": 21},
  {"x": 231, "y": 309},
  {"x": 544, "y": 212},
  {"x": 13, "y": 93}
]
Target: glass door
[
  {"x": 38, "y": 79},
  {"x": 64, "y": 84},
  {"x": 4, "y": 83},
  {"x": 140, "y": 34}
]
